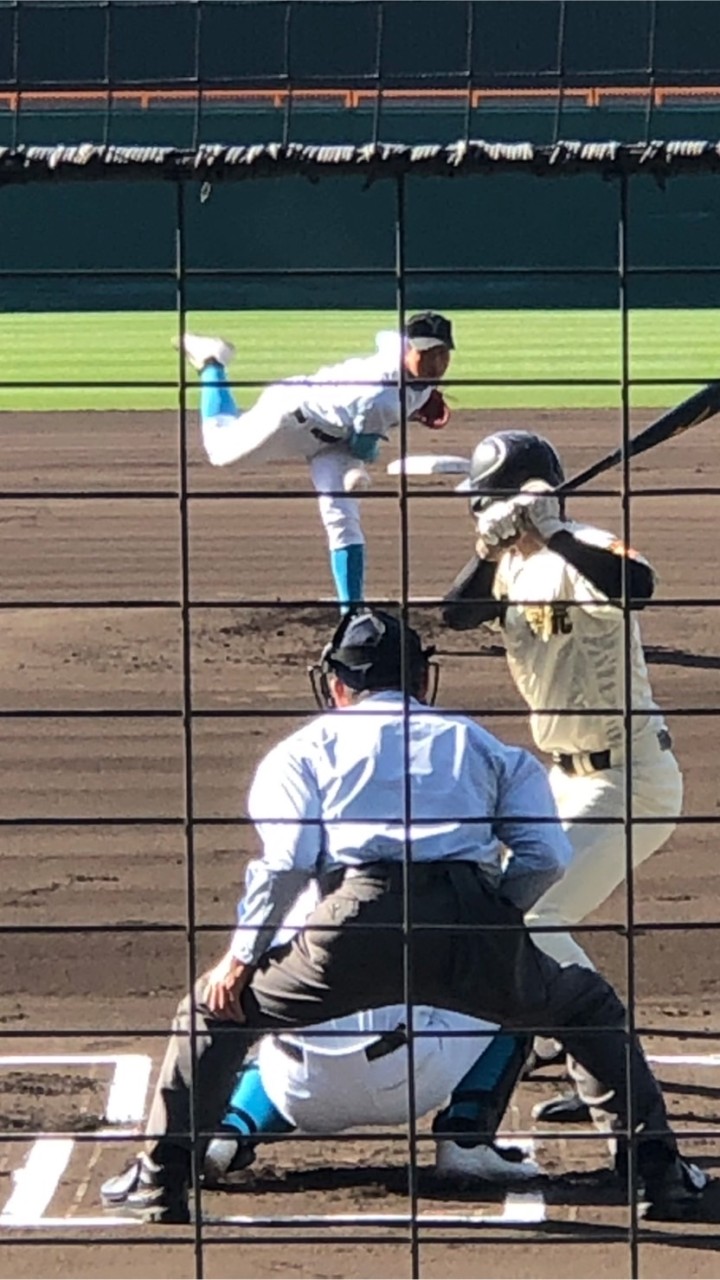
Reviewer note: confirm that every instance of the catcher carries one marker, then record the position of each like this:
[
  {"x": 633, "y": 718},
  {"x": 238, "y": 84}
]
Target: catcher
[{"x": 335, "y": 419}]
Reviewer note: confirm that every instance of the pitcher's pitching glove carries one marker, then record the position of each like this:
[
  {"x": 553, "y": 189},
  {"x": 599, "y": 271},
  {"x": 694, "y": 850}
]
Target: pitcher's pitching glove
[{"x": 435, "y": 413}]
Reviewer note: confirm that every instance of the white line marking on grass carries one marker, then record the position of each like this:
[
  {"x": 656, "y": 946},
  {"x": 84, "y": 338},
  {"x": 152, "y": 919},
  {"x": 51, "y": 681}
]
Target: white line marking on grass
[{"x": 36, "y": 1181}]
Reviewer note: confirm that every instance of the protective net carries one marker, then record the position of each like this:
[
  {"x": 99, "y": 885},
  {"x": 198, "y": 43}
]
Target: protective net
[{"x": 299, "y": 176}]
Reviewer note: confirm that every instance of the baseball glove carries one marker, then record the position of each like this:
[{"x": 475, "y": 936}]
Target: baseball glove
[{"x": 435, "y": 413}]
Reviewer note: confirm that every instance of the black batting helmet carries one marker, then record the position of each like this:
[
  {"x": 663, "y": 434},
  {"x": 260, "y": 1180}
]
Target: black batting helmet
[
  {"x": 366, "y": 652},
  {"x": 501, "y": 464}
]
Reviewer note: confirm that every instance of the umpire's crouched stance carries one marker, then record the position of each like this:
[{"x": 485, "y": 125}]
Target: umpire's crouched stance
[{"x": 331, "y": 802}]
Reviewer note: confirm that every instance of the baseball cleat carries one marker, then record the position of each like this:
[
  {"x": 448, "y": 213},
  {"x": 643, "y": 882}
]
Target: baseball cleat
[
  {"x": 564, "y": 1108},
  {"x": 484, "y": 1162},
  {"x": 148, "y": 1192},
  {"x": 675, "y": 1193},
  {"x": 226, "y": 1159},
  {"x": 356, "y": 478},
  {"x": 201, "y": 351}
]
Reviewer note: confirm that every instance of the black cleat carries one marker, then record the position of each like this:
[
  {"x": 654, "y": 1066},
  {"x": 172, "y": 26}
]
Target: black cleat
[
  {"x": 670, "y": 1189},
  {"x": 565, "y": 1108},
  {"x": 674, "y": 1194},
  {"x": 148, "y": 1192}
]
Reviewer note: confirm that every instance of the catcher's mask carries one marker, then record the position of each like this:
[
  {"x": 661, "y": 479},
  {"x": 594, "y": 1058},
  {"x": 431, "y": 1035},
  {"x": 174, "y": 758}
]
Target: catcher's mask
[
  {"x": 503, "y": 463},
  {"x": 366, "y": 653}
]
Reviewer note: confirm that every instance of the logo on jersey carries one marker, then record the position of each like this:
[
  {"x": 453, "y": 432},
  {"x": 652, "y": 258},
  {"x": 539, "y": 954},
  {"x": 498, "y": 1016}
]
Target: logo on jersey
[{"x": 548, "y": 620}]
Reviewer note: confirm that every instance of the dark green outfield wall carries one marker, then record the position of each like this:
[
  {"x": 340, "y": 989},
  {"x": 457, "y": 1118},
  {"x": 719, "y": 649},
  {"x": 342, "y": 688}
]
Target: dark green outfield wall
[
  {"x": 280, "y": 225},
  {"x": 512, "y": 223}
]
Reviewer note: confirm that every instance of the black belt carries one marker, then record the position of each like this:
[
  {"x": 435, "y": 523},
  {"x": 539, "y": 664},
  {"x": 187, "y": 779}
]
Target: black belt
[
  {"x": 323, "y": 436},
  {"x": 600, "y": 760},
  {"x": 387, "y": 1043}
]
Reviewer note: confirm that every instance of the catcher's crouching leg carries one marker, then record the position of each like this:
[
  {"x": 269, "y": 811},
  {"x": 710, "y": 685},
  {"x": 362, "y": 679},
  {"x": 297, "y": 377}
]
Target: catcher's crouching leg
[
  {"x": 465, "y": 1131},
  {"x": 250, "y": 1116}
]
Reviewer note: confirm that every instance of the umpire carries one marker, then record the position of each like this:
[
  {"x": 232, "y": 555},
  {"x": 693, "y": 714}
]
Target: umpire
[{"x": 382, "y": 787}]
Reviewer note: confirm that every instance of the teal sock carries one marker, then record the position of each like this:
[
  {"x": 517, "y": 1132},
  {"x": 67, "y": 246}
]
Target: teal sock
[
  {"x": 348, "y": 571},
  {"x": 250, "y": 1111},
  {"x": 216, "y": 399}
]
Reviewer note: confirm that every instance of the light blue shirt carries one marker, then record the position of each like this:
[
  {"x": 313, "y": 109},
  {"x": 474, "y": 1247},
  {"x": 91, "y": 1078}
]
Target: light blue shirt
[{"x": 334, "y": 794}]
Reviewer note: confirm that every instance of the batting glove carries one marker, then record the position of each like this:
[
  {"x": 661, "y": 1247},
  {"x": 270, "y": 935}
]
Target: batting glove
[
  {"x": 499, "y": 523},
  {"x": 538, "y": 509}
]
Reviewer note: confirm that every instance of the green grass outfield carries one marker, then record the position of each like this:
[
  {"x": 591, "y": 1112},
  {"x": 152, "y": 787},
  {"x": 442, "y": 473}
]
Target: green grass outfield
[{"x": 122, "y": 347}]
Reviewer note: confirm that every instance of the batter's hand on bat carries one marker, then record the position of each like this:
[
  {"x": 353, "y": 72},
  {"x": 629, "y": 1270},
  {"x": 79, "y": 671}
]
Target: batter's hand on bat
[
  {"x": 484, "y": 551},
  {"x": 538, "y": 510},
  {"x": 499, "y": 525},
  {"x": 225, "y": 985}
]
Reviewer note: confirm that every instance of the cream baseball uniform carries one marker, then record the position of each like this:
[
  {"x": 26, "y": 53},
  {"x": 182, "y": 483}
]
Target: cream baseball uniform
[{"x": 568, "y": 653}]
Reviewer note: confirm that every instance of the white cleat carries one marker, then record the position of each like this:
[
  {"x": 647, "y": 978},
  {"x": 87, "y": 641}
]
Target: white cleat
[
  {"x": 201, "y": 351},
  {"x": 483, "y": 1163},
  {"x": 356, "y": 478}
]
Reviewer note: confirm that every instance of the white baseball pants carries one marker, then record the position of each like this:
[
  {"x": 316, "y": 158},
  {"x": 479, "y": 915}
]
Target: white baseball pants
[
  {"x": 271, "y": 432},
  {"x": 336, "y": 1087},
  {"x": 599, "y": 863}
]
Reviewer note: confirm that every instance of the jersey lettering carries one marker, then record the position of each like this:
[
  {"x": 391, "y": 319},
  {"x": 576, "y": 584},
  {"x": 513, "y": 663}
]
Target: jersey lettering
[{"x": 547, "y": 620}]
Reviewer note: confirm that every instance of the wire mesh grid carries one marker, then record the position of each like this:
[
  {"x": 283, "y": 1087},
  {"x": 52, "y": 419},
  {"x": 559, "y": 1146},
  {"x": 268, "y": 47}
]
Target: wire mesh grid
[{"x": 414, "y": 1228}]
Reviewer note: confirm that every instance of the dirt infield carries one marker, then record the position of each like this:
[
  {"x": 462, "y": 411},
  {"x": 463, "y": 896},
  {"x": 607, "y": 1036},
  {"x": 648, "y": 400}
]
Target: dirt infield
[{"x": 106, "y": 844}]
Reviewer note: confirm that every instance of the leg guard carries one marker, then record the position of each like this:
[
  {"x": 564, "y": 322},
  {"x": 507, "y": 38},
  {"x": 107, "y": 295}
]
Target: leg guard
[{"x": 479, "y": 1101}]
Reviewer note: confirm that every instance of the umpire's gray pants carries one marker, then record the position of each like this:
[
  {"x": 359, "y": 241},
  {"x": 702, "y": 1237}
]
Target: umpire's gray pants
[{"x": 351, "y": 955}]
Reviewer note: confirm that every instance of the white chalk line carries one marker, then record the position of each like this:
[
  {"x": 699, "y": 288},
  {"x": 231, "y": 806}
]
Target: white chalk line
[
  {"x": 685, "y": 1059},
  {"x": 37, "y": 1181},
  {"x": 126, "y": 1101}
]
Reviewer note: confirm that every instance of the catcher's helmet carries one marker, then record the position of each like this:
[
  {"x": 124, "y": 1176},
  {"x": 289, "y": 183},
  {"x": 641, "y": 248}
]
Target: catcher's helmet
[
  {"x": 501, "y": 464},
  {"x": 366, "y": 652}
]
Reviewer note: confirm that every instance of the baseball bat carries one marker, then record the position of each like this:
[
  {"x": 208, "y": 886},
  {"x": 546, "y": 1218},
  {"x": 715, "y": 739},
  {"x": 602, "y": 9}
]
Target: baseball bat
[{"x": 698, "y": 408}]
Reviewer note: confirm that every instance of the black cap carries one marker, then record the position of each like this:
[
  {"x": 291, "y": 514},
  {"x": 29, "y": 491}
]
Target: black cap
[
  {"x": 429, "y": 329},
  {"x": 366, "y": 651}
]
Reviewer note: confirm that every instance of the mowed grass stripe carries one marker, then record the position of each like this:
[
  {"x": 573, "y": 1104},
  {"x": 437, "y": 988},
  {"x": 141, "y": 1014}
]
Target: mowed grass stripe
[{"x": 514, "y": 346}]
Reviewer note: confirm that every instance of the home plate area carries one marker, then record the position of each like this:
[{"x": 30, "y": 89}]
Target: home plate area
[{"x": 93, "y": 1106}]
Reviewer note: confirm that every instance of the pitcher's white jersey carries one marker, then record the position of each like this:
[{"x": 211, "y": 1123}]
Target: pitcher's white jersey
[
  {"x": 349, "y": 397},
  {"x": 565, "y": 648}
]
